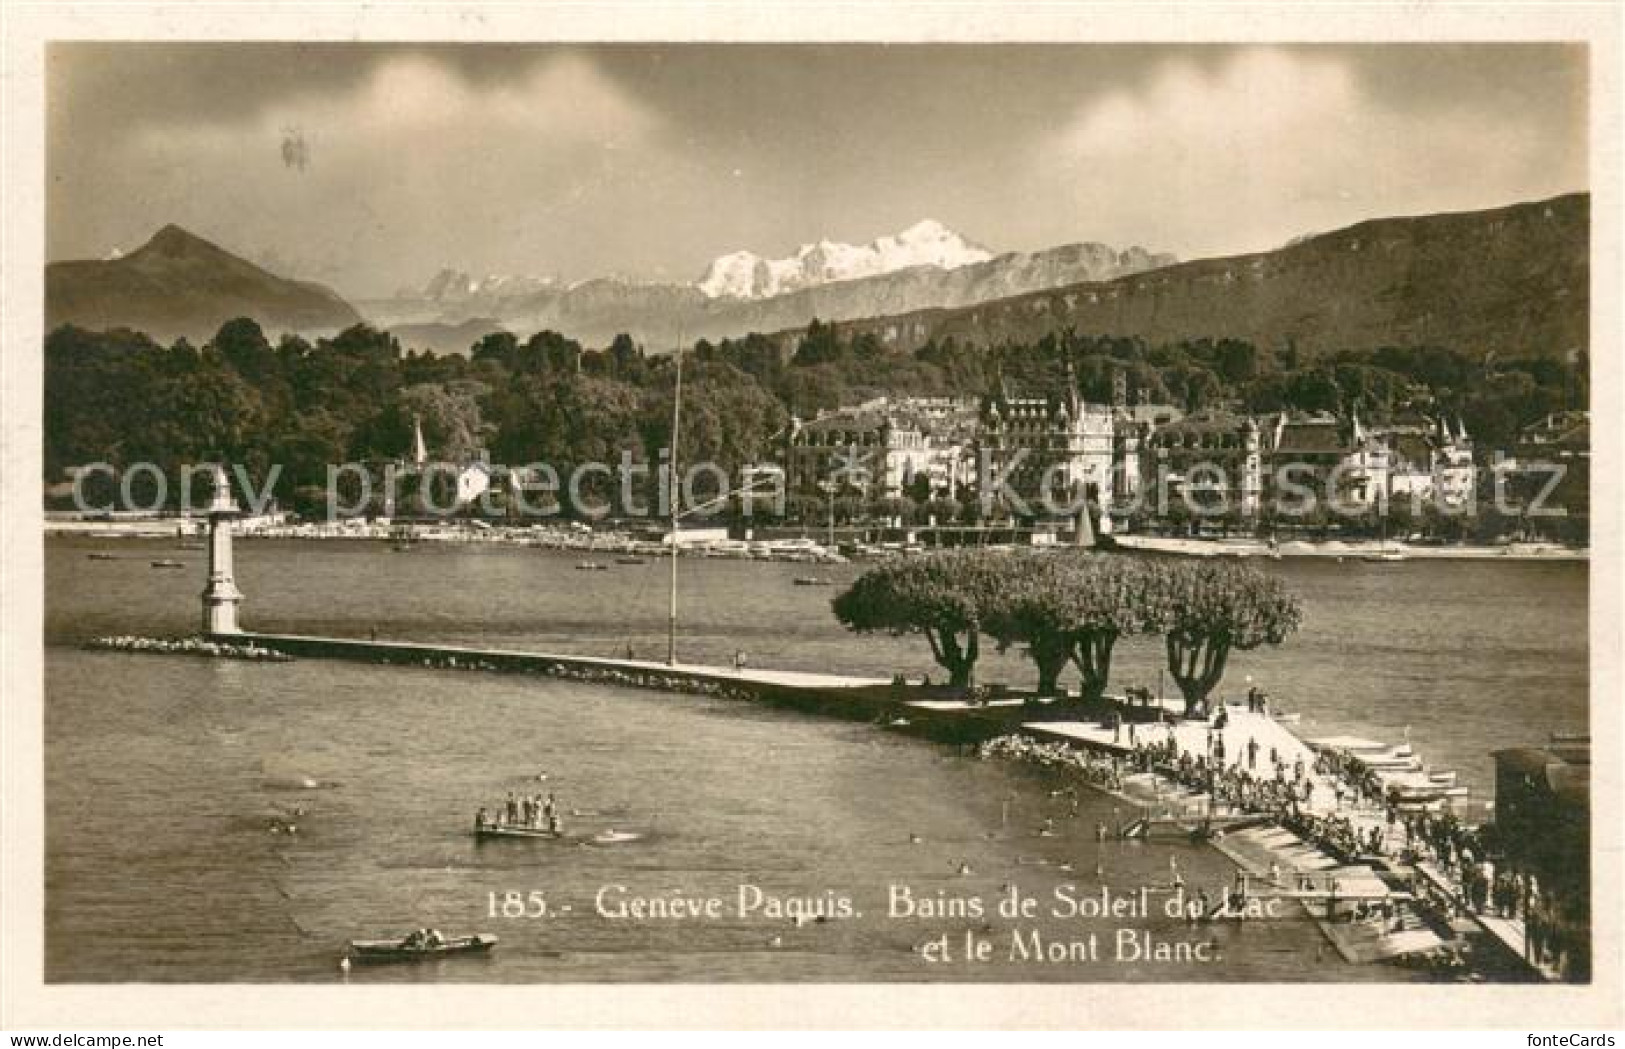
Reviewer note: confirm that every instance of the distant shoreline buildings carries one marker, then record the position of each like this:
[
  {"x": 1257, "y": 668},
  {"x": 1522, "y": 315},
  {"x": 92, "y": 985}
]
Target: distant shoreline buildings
[{"x": 1127, "y": 456}]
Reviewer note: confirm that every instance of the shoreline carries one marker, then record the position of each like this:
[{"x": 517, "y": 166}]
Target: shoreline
[
  {"x": 807, "y": 550},
  {"x": 1339, "y": 550}
]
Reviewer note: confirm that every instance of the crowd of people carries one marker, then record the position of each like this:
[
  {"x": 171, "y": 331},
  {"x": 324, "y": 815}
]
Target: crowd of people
[
  {"x": 1097, "y": 770},
  {"x": 1366, "y": 818},
  {"x": 522, "y": 811}
]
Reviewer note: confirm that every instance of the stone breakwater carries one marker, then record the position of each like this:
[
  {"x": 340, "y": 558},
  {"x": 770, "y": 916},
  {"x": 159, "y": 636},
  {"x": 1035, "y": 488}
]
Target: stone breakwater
[
  {"x": 655, "y": 680},
  {"x": 619, "y": 673},
  {"x": 188, "y": 646}
]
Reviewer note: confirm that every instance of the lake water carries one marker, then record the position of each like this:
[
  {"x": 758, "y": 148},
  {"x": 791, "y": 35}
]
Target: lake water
[{"x": 162, "y": 773}]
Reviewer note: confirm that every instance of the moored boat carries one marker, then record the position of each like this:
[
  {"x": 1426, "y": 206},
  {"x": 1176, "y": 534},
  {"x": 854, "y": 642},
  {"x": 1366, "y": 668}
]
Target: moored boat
[
  {"x": 167, "y": 563},
  {"x": 102, "y": 557},
  {"x": 415, "y": 948}
]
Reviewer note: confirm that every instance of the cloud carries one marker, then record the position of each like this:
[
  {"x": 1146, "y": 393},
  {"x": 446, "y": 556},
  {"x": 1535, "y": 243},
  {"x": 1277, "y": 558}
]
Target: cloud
[
  {"x": 1266, "y": 133},
  {"x": 407, "y": 147}
]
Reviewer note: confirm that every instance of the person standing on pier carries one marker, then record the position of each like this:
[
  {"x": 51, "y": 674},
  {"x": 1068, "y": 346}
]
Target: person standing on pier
[{"x": 1252, "y": 752}]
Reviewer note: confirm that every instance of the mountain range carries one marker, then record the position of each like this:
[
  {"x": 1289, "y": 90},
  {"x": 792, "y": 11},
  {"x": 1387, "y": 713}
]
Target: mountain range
[
  {"x": 924, "y": 266},
  {"x": 1514, "y": 281},
  {"x": 178, "y": 284},
  {"x": 746, "y": 275}
]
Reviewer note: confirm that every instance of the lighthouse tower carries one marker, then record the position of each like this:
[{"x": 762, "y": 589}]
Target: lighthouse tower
[{"x": 221, "y": 596}]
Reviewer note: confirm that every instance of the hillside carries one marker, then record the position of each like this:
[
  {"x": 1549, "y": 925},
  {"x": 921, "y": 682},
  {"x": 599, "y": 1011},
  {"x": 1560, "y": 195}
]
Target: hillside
[
  {"x": 1513, "y": 281},
  {"x": 178, "y": 284}
]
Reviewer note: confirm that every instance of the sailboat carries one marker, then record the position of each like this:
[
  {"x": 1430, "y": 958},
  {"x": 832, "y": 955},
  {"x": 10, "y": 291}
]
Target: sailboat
[{"x": 1385, "y": 554}]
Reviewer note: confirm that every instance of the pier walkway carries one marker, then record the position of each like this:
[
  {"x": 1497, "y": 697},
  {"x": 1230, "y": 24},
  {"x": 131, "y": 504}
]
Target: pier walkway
[{"x": 443, "y": 654}]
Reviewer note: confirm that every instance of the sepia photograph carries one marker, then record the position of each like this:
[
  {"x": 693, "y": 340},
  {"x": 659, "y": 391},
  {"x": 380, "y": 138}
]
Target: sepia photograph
[{"x": 794, "y": 512}]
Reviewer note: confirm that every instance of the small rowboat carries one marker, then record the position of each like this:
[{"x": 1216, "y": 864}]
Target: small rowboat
[
  {"x": 810, "y": 580},
  {"x": 615, "y": 837},
  {"x": 102, "y": 557},
  {"x": 506, "y": 830},
  {"x": 401, "y": 951},
  {"x": 590, "y": 566},
  {"x": 167, "y": 563}
]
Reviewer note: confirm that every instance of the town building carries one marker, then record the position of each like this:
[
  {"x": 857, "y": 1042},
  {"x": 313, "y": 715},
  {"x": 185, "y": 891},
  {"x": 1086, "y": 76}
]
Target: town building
[
  {"x": 874, "y": 449},
  {"x": 1210, "y": 461},
  {"x": 1455, "y": 474},
  {"x": 1542, "y": 831},
  {"x": 1051, "y": 451},
  {"x": 1550, "y": 465},
  {"x": 1312, "y": 465}
]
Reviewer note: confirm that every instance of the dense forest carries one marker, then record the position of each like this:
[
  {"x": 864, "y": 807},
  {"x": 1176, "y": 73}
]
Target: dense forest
[{"x": 121, "y": 398}]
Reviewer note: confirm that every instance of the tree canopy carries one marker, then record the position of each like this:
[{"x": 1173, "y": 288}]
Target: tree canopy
[
  {"x": 943, "y": 596},
  {"x": 1067, "y": 607},
  {"x": 1064, "y": 606},
  {"x": 1206, "y": 610}
]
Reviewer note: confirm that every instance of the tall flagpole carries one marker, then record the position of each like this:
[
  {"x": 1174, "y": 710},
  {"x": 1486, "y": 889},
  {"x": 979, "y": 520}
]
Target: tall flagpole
[{"x": 676, "y": 417}]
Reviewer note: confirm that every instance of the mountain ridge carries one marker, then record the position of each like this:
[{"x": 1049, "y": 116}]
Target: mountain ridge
[
  {"x": 178, "y": 284},
  {"x": 1512, "y": 280},
  {"x": 595, "y": 310}
]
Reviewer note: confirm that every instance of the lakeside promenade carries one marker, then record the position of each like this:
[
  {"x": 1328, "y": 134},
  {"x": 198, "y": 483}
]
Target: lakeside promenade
[
  {"x": 1337, "y": 549},
  {"x": 808, "y": 549}
]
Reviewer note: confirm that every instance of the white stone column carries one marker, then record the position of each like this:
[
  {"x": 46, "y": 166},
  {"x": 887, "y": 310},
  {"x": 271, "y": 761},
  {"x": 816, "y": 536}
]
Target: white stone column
[{"x": 221, "y": 596}]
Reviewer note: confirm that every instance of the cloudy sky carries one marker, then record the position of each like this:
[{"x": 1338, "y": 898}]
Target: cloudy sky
[{"x": 369, "y": 167}]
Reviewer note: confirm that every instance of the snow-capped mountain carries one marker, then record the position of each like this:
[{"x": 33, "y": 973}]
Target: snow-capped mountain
[
  {"x": 926, "y": 266},
  {"x": 746, "y": 275}
]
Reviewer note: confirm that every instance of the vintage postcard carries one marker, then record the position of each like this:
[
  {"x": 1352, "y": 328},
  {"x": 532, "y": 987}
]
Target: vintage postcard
[{"x": 971, "y": 517}]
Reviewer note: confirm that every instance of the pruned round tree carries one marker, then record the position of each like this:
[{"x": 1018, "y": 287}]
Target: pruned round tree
[
  {"x": 942, "y": 596},
  {"x": 1205, "y": 611},
  {"x": 1064, "y": 607}
]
